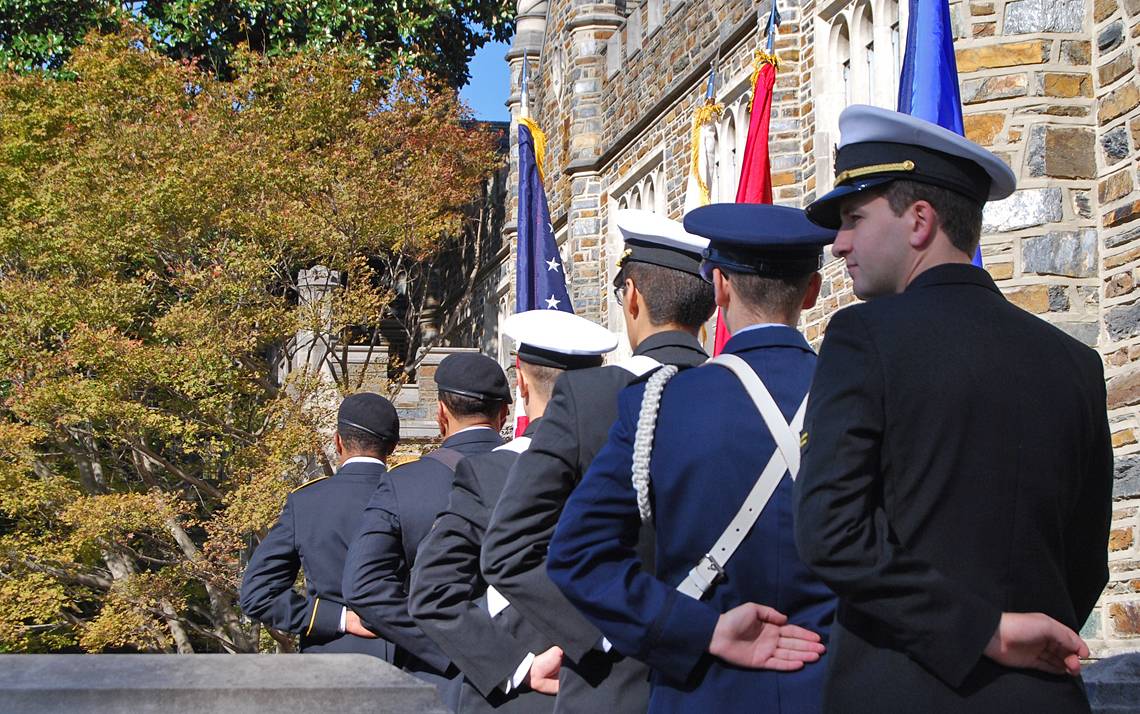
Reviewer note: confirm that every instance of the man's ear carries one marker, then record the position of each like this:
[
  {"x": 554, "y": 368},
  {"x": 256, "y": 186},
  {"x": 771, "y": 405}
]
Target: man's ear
[
  {"x": 924, "y": 223},
  {"x": 524, "y": 386},
  {"x": 633, "y": 300},
  {"x": 504, "y": 414},
  {"x": 338, "y": 444},
  {"x": 720, "y": 289},
  {"x": 812, "y": 294},
  {"x": 441, "y": 416}
]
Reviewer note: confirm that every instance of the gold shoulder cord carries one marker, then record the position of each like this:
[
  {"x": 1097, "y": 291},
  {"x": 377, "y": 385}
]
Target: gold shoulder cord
[{"x": 308, "y": 483}]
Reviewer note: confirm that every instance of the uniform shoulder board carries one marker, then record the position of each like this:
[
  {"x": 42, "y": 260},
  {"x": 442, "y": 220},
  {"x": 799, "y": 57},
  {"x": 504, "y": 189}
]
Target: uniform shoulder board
[{"x": 308, "y": 483}]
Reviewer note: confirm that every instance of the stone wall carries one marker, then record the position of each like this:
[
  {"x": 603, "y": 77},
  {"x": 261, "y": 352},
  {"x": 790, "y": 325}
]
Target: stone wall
[{"x": 1051, "y": 86}]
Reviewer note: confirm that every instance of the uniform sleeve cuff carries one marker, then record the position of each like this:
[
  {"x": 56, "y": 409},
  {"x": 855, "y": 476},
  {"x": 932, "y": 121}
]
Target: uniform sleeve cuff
[
  {"x": 516, "y": 680},
  {"x": 681, "y": 636},
  {"x": 325, "y": 619},
  {"x": 954, "y": 664}
]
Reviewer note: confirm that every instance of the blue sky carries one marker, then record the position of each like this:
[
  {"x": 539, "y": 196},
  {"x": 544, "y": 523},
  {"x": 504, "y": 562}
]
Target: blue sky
[{"x": 489, "y": 87}]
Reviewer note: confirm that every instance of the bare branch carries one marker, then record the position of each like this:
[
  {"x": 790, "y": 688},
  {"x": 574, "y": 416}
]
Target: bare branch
[
  {"x": 143, "y": 450},
  {"x": 88, "y": 580}
]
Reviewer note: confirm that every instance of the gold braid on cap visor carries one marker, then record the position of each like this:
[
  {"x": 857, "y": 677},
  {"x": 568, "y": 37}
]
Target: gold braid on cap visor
[{"x": 842, "y": 176}]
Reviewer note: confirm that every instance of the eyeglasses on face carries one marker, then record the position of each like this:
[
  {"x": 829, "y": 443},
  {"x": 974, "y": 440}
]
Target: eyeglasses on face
[{"x": 619, "y": 293}]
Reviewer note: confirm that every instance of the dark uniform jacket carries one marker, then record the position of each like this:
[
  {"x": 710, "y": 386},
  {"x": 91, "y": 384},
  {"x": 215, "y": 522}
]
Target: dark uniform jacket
[
  {"x": 399, "y": 515},
  {"x": 709, "y": 447},
  {"x": 447, "y": 598},
  {"x": 957, "y": 465},
  {"x": 314, "y": 530},
  {"x": 574, "y": 428}
]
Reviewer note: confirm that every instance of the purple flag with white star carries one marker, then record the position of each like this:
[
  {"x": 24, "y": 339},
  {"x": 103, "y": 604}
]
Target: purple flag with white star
[{"x": 540, "y": 281}]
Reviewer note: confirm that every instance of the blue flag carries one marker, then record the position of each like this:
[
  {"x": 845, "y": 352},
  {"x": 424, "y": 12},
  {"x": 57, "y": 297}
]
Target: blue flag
[
  {"x": 540, "y": 280},
  {"x": 928, "y": 82}
]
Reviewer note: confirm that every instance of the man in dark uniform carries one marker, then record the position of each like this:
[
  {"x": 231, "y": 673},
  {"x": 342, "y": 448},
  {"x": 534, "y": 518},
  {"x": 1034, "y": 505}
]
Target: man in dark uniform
[
  {"x": 709, "y": 457},
  {"x": 473, "y": 403},
  {"x": 664, "y": 302},
  {"x": 508, "y": 665},
  {"x": 315, "y": 527},
  {"x": 957, "y": 471}
]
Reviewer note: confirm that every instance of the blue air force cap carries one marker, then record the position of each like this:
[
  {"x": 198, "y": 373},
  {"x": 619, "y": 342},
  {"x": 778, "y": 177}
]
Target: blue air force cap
[
  {"x": 553, "y": 338},
  {"x": 759, "y": 239},
  {"x": 656, "y": 240},
  {"x": 474, "y": 375},
  {"x": 370, "y": 413},
  {"x": 877, "y": 146}
]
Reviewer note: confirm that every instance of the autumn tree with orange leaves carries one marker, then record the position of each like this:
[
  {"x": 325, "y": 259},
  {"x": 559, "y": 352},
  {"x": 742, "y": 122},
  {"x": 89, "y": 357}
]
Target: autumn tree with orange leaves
[{"x": 153, "y": 220}]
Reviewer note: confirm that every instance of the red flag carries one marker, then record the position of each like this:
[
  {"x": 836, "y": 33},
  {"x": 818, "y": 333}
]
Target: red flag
[{"x": 756, "y": 169}]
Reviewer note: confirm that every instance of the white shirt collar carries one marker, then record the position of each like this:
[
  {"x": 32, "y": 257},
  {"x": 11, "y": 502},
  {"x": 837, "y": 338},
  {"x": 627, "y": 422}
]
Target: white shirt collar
[
  {"x": 758, "y": 326},
  {"x": 361, "y": 460}
]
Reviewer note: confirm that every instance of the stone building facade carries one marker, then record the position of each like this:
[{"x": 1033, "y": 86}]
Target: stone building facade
[{"x": 1051, "y": 86}]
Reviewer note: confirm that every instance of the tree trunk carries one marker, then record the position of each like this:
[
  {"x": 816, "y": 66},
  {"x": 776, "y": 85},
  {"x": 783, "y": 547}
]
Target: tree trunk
[
  {"x": 223, "y": 613},
  {"x": 177, "y": 631}
]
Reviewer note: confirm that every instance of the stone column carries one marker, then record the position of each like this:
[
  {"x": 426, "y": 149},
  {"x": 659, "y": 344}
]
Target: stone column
[
  {"x": 315, "y": 288},
  {"x": 1115, "y": 49},
  {"x": 590, "y": 27}
]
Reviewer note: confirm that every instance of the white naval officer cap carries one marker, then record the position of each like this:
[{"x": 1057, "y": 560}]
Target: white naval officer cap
[
  {"x": 654, "y": 239},
  {"x": 878, "y": 145},
  {"x": 553, "y": 338}
]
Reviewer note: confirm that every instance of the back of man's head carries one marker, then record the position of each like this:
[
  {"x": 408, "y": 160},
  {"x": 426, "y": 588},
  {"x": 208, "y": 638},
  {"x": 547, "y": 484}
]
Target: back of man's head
[
  {"x": 361, "y": 443},
  {"x": 672, "y": 297},
  {"x": 473, "y": 390},
  {"x": 540, "y": 379},
  {"x": 367, "y": 425},
  {"x": 471, "y": 409},
  {"x": 776, "y": 296}
]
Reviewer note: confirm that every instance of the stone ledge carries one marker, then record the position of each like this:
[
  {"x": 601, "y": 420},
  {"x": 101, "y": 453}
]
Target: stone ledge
[
  {"x": 1114, "y": 685},
  {"x": 236, "y": 684}
]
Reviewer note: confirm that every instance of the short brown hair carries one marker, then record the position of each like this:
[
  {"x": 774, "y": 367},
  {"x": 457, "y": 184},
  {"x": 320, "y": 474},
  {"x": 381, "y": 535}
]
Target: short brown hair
[
  {"x": 540, "y": 378},
  {"x": 769, "y": 294},
  {"x": 959, "y": 216}
]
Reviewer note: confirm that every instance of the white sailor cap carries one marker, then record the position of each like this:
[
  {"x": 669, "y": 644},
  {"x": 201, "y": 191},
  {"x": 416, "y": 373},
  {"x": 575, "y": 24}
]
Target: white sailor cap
[
  {"x": 878, "y": 145},
  {"x": 553, "y": 338},
  {"x": 654, "y": 239}
]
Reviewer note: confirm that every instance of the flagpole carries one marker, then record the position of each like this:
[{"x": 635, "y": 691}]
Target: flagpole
[
  {"x": 524, "y": 95},
  {"x": 773, "y": 22},
  {"x": 521, "y": 420}
]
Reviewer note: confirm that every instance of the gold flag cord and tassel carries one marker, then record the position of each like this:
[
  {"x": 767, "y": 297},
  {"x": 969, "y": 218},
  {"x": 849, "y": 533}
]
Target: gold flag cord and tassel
[
  {"x": 759, "y": 59},
  {"x": 709, "y": 113},
  {"x": 539, "y": 145}
]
